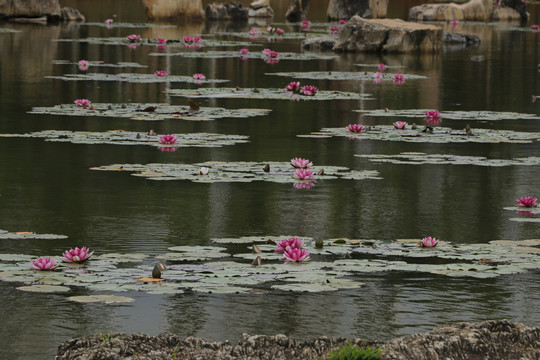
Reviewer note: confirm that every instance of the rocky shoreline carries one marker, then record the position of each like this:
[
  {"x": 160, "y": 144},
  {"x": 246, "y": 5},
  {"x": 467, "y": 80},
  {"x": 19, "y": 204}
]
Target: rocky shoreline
[{"x": 494, "y": 339}]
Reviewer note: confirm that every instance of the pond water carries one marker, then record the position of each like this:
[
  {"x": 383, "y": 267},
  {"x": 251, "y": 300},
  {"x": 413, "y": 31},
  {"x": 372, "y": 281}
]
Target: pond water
[{"x": 47, "y": 187}]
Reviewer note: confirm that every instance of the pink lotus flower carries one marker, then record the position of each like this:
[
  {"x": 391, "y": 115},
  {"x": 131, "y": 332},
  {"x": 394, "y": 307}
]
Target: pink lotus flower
[
  {"x": 271, "y": 29},
  {"x": 45, "y": 263},
  {"x": 204, "y": 170},
  {"x": 197, "y": 39},
  {"x": 270, "y": 53},
  {"x": 334, "y": 29},
  {"x": 84, "y": 103},
  {"x": 77, "y": 255},
  {"x": 306, "y": 24},
  {"x": 280, "y": 31},
  {"x": 381, "y": 67},
  {"x": 356, "y": 128},
  {"x": 527, "y": 201},
  {"x": 534, "y": 27},
  {"x": 296, "y": 255},
  {"x": 161, "y": 73},
  {"x": 399, "y": 77},
  {"x": 161, "y": 41},
  {"x": 304, "y": 174},
  {"x": 253, "y": 32},
  {"x": 293, "y": 86},
  {"x": 301, "y": 185},
  {"x": 454, "y": 24},
  {"x": 134, "y": 38},
  {"x": 343, "y": 22},
  {"x": 289, "y": 243},
  {"x": 377, "y": 75},
  {"x": 83, "y": 65},
  {"x": 300, "y": 163},
  {"x": 188, "y": 39},
  {"x": 428, "y": 242},
  {"x": 433, "y": 117},
  {"x": 109, "y": 21},
  {"x": 308, "y": 90},
  {"x": 244, "y": 51},
  {"x": 199, "y": 76},
  {"x": 401, "y": 125},
  {"x": 168, "y": 139}
]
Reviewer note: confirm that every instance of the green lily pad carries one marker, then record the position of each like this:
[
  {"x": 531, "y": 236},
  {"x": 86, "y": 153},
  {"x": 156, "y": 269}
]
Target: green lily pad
[
  {"x": 17, "y": 257},
  {"x": 341, "y": 75},
  {"x": 419, "y": 158},
  {"x": 280, "y": 172},
  {"x": 263, "y": 35},
  {"x": 216, "y": 289},
  {"x": 153, "y": 42},
  {"x": 121, "y": 137},
  {"x": 103, "y": 299},
  {"x": 439, "y": 135},
  {"x": 7, "y": 31},
  {"x": 451, "y": 115},
  {"x": 5, "y": 235},
  {"x": 250, "y": 55},
  {"x": 309, "y": 287},
  {"x": 45, "y": 288},
  {"x": 526, "y": 219},
  {"x": 135, "y": 78},
  {"x": 512, "y": 243},
  {"x": 141, "y": 112},
  {"x": 268, "y": 94},
  {"x": 101, "y": 64},
  {"x": 127, "y": 25},
  {"x": 118, "y": 257}
]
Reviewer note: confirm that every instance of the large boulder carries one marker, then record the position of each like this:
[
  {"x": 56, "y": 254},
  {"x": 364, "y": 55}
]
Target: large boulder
[
  {"x": 510, "y": 10},
  {"x": 29, "y": 8},
  {"x": 174, "y": 9},
  {"x": 494, "y": 339},
  {"x": 318, "y": 43},
  {"x": 346, "y": 9},
  {"x": 474, "y": 10},
  {"x": 260, "y": 9},
  {"x": 296, "y": 10},
  {"x": 227, "y": 11},
  {"x": 386, "y": 35}
]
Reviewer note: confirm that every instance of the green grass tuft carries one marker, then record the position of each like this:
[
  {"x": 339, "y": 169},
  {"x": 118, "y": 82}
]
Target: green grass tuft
[{"x": 353, "y": 352}]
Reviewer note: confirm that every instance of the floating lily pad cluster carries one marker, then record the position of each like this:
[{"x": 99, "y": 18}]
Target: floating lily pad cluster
[
  {"x": 440, "y": 135},
  {"x": 341, "y": 75},
  {"x": 135, "y": 78},
  {"x": 451, "y": 115},
  {"x": 101, "y": 64},
  {"x": 269, "y": 94},
  {"x": 153, "y": 42},
  {"x": 336, "y": 264},
  {"x": 149, "y": 112},
  {"x": 7, "y": 31},
  {"x": 121, "y": 137},
  {"x": 127, "y": 25},
  {"x": 526, "y": 214},
  {"x": 21, "y": 235},
  {"x": 250, "y": 55},
  {"x": 419, "y": 158},
  {"x": 279, "y": 172}
]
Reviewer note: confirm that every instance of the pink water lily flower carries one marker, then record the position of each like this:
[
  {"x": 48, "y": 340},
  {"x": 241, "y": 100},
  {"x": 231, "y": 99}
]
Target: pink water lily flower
[
  {"x": 168, "y": 139},
  {"x": 308, "y": 90},
  {"x": 293, "y": 86},
  {"x": 280, "y": 31},
  {"x": 160, "y": 73},
  {"x": 244, "y": 51},
  {"x": 433, "y": 117},
  {"x": 188, "y": 39},
  {"x": 301, "y": 163},
  {"x": 161, "y": 41},
  {"x": 343, "y": 21},
  {"x": 454, "y": 24},
  {"x": 306, "y": 24},
  {"x": 527, "y": 201},
  {"x": 109, "y": 21},
  {"x": 83, "y": 65},
  {"x": 304, "y": 174},
  {"x": 204, "y": 170},
  {"x": 334, "y": 28},
  {"x": 534, "y": 27},
  {"x": 199, "y": 76},
  {"x": 399, "y": 77},
  {"x": 44, "y": 263},
  {"x": 134, "y": 37},
  {"x": 84, "y": 103},
  {"x": 428, "y": 242},
  {"x": 291, "y": 243},
  {"x": 77, "y": 255},
  {"x": 401, "y": 125},
  {"x": 253, "y": 32},
  {"x": 270, "y": 53},
  {"x": 381, "y": 67},
  {"x": 296, "y": 255},
  {"x": 377, "y": 75},
  {"x": 356, "y": 128}
]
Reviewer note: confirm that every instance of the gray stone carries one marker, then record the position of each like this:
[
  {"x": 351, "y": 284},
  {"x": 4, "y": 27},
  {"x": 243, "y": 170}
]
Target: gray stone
[
  {"x": 227, "y": 11},
  {"x": 296, "y": 10},
  {"x": 70, "y": 14},
  {"x": 318, "y": 43},
  {"x": 386, "y": 35},
  {"x": 346, "y": 9},
  {"x": 264, "y": 12},
  {"x": 174, "y": 9},
  {"x": 474, "y": 10},
  {"x": 29, "y": 9},
  {"x": 466, "y": 39},
  {"x": 259, "y": 4}
]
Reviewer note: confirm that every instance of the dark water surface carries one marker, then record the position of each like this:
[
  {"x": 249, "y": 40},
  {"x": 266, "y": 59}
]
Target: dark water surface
[{"x": 47, "y": 188}]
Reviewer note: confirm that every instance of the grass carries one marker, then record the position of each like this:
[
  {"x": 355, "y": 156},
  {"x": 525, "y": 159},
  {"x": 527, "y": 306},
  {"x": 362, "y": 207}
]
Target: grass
[
  {"x": 353, "y": 352},
  {"x": 105, "y": 338}
]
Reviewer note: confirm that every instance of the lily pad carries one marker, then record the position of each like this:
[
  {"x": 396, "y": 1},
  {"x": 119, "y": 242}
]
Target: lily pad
[
  {"x": 342, "y": 75},
  {"x": 135, "y": 78},
  {"x": 439, "y": 135},
  {"x": 153, "y": 42},
  {"x": 103, "y": 299},
  {"x": 451, "y": 115},
  {"x": 250, "y": 55},
  {"x": 419, "y": 158},
  {"x": 232, "y": 172},
  {"x": 126, "y": 25},
  {"x": 254, "y": 239},
  {"x": 4, "y": 235},
  {"x": 526, "y": 219},
  {"x": 122, "y": 137},
  {"x": 268, "y": 94},
  {"x": 45, "y": 288},
  {"x": 149, "y": 112},
  {"x": 118, "y": 257},
  {"x": 7, "y": 31},
  {"x": 101, "y": 64}
]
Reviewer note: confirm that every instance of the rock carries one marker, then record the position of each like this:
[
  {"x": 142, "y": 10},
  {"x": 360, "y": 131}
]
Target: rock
[
  {"x": 30, "y": 9},
  {"x": 505, "y": 7},
  {"x": 318, "y": 43},
  {"x": 227, "y": 11},
  {"x": 435, "y": 12},
  {"x": 385, "y": 35},
  {"x": 265, "y": 12},
  {"x": 346, "y": 9},
  {"x": 466, "y": 39},
  {"x": 70, "y": 14},
  {"x": 259, "y": 4},
  {"x": 174, "y": 9},
  {"x": 296, "y": 10},
  {"x": 474, "y": 10},
  {"x": 495, "y": 339}
]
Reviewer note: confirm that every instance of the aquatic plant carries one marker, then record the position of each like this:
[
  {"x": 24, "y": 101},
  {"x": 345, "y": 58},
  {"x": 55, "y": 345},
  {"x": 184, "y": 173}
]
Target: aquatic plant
[
  {"x": 356, "y": 128},
  {"x": 253, "y": 32},
  {"x": 270, "y": 53},
  {"x": 203, "y": 170},
  {"x": 343, "y": 21},
  {"x": 381, "y": 67},
  {"x": 280, "y": 31},
  {"x": 161, "y": 41},
  {"x": 308, "y": 90},
  {"x": 293, "y": 86},
  {"x": 109, "y": 21},
  {"x": 304, "y": 174},
  {"x": 334, "y": 28},
  {"x": 44, "y": 263},
  {"x": 168, "y": 139},
  {"x": 433, "y": 117},
  {"x": 353, "y": 352},
  {"x": 306, "y": 24},
  {"x": 134, "y": 38},
  {"x": 296, "y": 255},
  {"x": 84, "y": 103},
  {"x": 289, "y": 243},
  {"x": 77, "y": 255},
  {"x": 83, "y": 65},
  {"x": 301, "y": 163},
  {"x": 400, "y": 125},
  {"x": 192, "y": 39},
  {"x": 527, "y": 201},
  {"x": 377, "y": 75},
  {"x": 428, "y": 242},
  {"x": 244, "y": 51},
  {"x": 199, "y": 76},
  {"x": 534, "y": 27},
  {"x": 160, "y": 73},
  {"x": 454, "y": 23}
]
